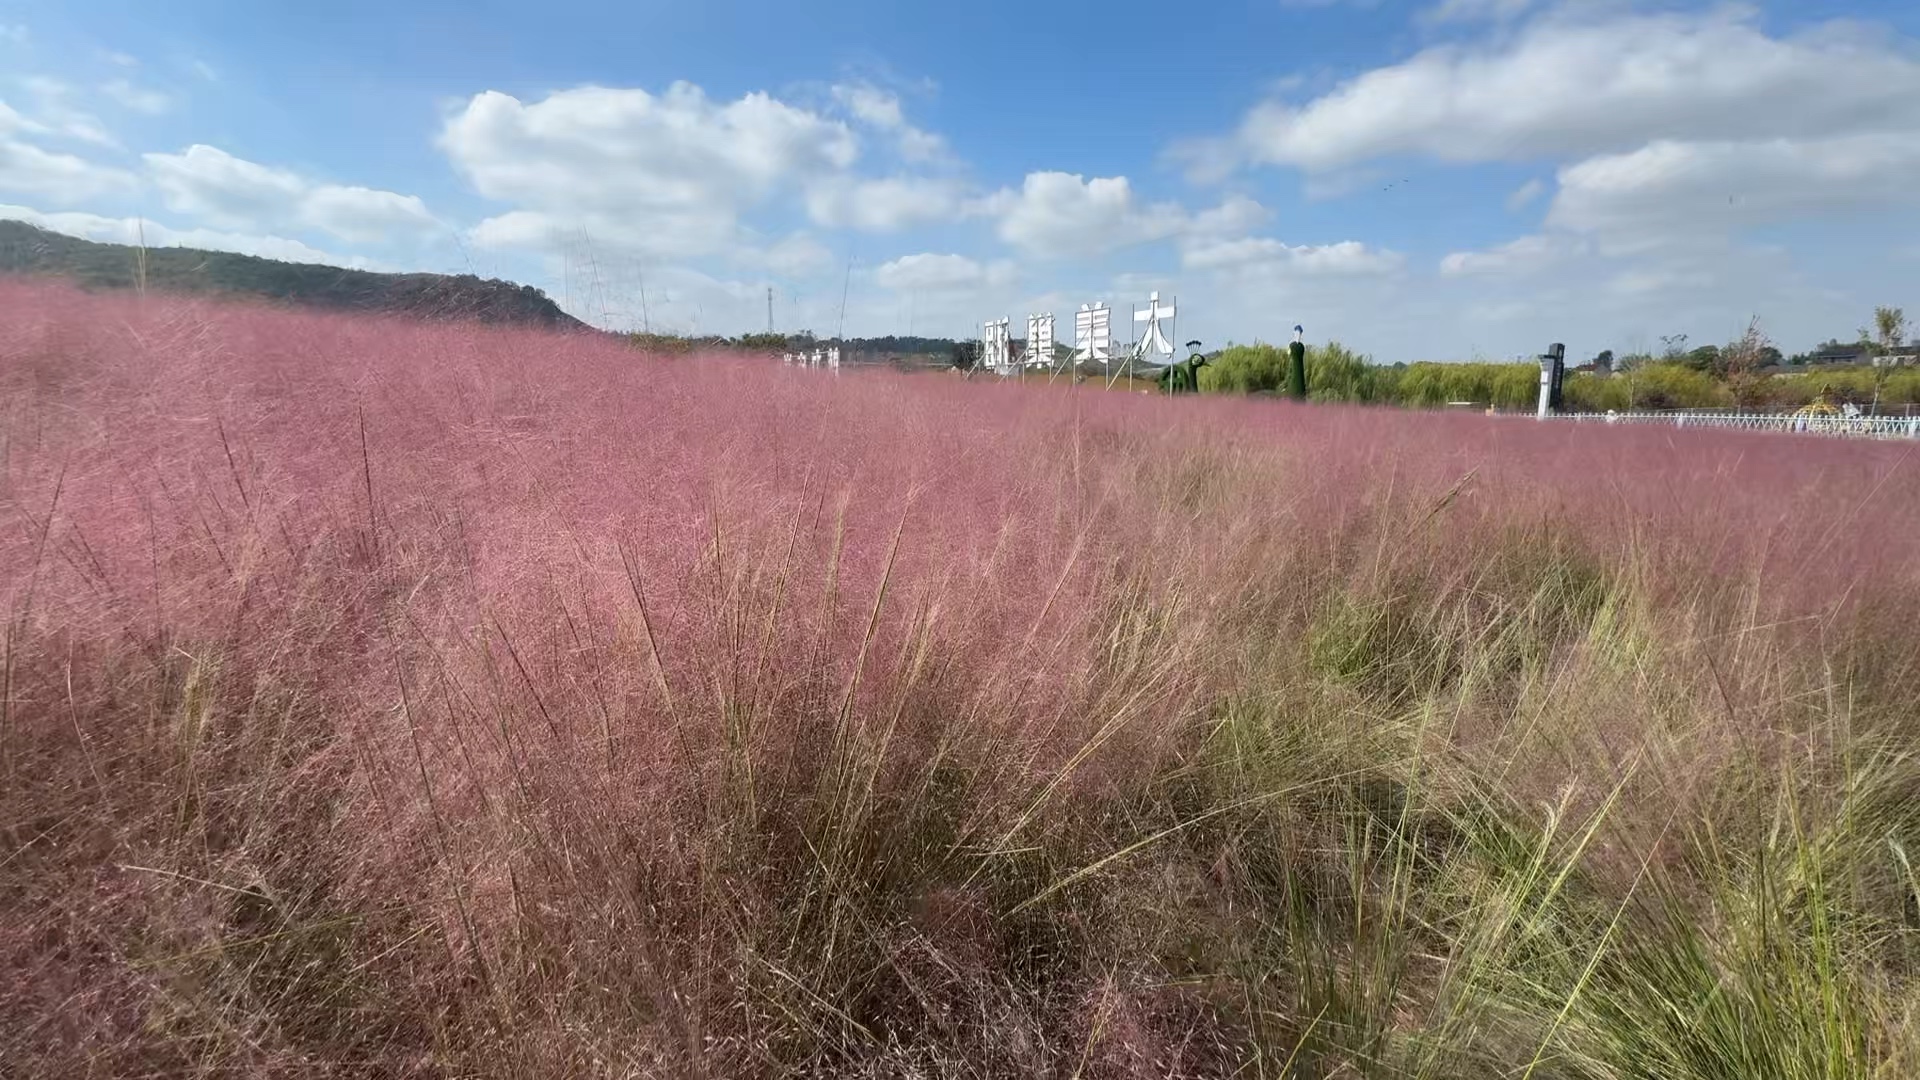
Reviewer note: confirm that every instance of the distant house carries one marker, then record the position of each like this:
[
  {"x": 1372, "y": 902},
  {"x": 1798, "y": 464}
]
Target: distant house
[
  {"x": 1835, "y": 355},
  {"x": 1862, "y": 354}
]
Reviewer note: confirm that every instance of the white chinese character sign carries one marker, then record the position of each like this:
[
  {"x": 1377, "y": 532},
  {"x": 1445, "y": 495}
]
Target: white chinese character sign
[
  {"x": 997, "y": 342},
  {"x": 1092, "y": 337},
  {"x": 1155, "y": 341},
  {"x": 818, "y": 358},
  {"x": 1093, "y": 333},
  {"x": 1040, "y": 340}
]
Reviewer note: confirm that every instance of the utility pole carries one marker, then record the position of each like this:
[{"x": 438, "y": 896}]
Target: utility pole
[
  {"x": 769, "y": 309},
  {"x": 841, "y": 333}
]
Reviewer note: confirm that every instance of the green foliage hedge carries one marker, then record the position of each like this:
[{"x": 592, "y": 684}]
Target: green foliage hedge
[{"x": 1337, "y": 373}]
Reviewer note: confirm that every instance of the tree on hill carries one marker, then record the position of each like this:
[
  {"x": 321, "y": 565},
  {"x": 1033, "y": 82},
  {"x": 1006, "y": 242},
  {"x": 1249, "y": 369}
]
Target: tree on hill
[{"x": 27, "y": 249}]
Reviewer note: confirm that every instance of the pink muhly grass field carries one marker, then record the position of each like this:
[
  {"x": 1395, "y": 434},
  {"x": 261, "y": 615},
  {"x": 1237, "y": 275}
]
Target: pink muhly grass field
[{"x": 395, "y": 698}]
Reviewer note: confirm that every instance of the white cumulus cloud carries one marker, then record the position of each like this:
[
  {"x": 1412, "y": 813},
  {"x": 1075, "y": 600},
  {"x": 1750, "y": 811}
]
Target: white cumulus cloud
[
  {"x": 57, "y": 114},
  {"x": 1058, "y": 215},
  {"x": 1568, "y": 85},
  {"x": 1526, "y": 255},
  {"x": 1065, "y": 215},
  {"x": 11, "y": 121},
  {"x": 885, "y": 205},
  {"x": 936, "y": 273},
  {"x": 140, "y": 99},
  {"x": 1348, "y": 257},
  {"x": 666, "y": 174},
  {"x": 1672, "y": 190},
  {"x": 796, "y": 255},
  {"x": 62, "y": 179},
  {"x": 1236, "y": 215},
  {"x": 1461, "y": 11},
  {"x": 210, "y": 184},
  {"x": 881, "y": 109},
  {"x": 365, "y": 215},
  {"x": 1524, "y": 195}
]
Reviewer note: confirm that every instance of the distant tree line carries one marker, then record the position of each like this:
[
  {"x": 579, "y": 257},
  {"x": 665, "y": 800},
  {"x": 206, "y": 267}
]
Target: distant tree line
[
  {"x": 853, "y": 350},
  {"x": 1734, "y": 378}
]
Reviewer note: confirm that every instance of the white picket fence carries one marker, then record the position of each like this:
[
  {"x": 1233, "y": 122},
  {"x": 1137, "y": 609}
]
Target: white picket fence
[{"x": 1859, "y": 427}]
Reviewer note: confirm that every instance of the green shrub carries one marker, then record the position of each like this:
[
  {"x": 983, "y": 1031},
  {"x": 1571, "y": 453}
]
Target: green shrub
[
  {"x": 1246, "y": 369},
  {"x": 1334, "y": 373},
  {"x": 1675, "y": 386},
  {"x": 1505, "y": 386},
  {"x": 1587, "y": 392}
]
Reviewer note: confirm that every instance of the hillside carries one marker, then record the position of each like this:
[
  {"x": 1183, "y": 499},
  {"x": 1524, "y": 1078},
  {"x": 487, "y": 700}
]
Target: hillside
[{"x": 26, "y": 249}]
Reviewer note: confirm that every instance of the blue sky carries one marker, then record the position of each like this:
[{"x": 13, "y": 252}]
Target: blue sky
[{"x": 1438, "y": 179}]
